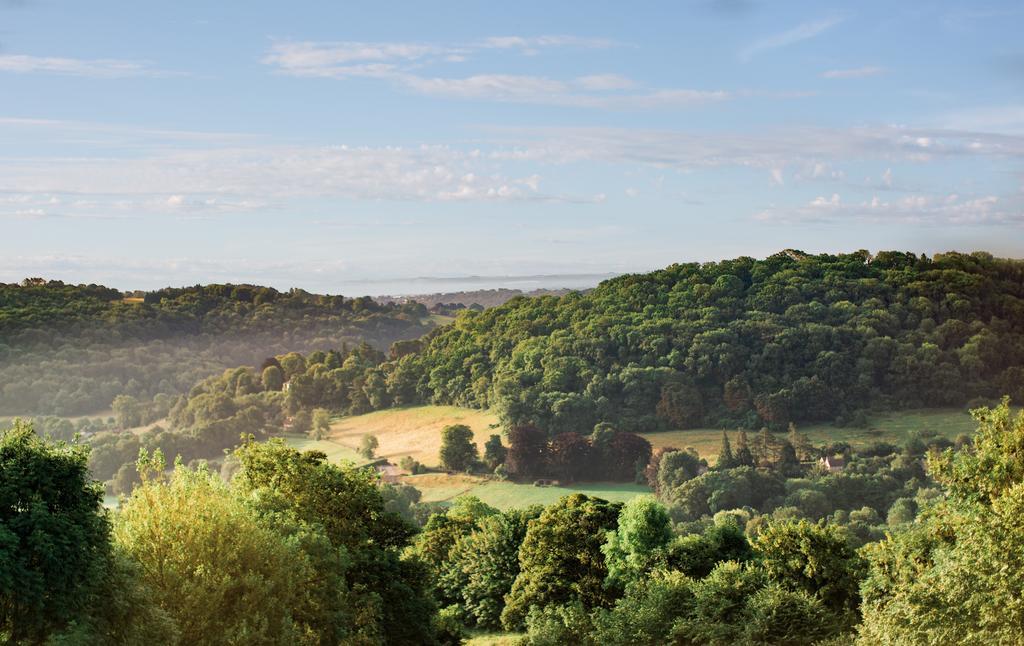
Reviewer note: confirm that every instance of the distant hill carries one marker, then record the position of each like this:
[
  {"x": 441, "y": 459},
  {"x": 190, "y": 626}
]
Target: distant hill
[
  {"x": 482, "y": 297},
  {"x": 70, "y": 349},
  {"x": 744, "y": 342},
  {"x": 739, "y": 343}
]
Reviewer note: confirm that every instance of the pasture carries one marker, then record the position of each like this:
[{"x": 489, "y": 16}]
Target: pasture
[
  {"x": 892, "y": 427},
  {"x": 441, "y": 487},
  {"x": 414, "y": 431}
]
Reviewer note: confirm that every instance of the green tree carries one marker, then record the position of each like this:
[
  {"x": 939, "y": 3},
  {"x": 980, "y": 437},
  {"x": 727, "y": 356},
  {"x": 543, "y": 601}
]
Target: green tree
[
  {"x": 458, "y": 452},
  {"x": 637, "y": 544},
  {"x": 54, "y": 534},
  {"x": 443, "y": 531},
  {"x": 696, "y": 555},
  {"x": 272, "y": 378},
  {"x": 963, "y": 553},
  {"x": 389, "y": 595},
  {"x": 813, "y": 558},
  {"x": 725, "y": 460},
  {"x": 744, "y": 457},
  {"x": 489, "y": 562},
  {"x": 494, "y": 452},
  {"x": 214, "y": 568},
  {"x": 127, "y": 411},
  {"x": 321, "y": 423},
  {"x": 676, "y": 468},
  {"x": 561, "y": 559},
  {"x": 368, "y": 446},
  {"x": 805, "y": 450},
  {"x": 646, "y": 614}
]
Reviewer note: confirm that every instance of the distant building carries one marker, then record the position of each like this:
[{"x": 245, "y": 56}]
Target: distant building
[
  {"x": 389, "y": 472},
  {"x": 833, "y": 463}
]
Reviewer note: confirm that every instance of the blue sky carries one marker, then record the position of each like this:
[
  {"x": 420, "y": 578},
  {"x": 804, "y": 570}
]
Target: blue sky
[{"x": 347, "y": 147}]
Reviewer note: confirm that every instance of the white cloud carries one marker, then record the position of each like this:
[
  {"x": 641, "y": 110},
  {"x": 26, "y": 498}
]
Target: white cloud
[
  {"x": 772, "y": 149},
  {"x": 855, "y": 73},
  {"x": 206, "y": 174},
  {"x": 402, "y": 65},
  {"x": 801, "y": 32},
  {"x": 537, "y": 42},
  {"x": 911, "y": 209},
  {"x": 599, "y": 82},
  {"x": 340, "y": 59},
  {"x": 95, "y": 68},
  {"x": 1002, "y": 118}
]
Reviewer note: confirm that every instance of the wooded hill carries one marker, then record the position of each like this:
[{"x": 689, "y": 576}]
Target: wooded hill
[
  {"x": 743, "y": 342},
  {"x": 70, "y": 349},
  {"x": 737, "y": 344}
]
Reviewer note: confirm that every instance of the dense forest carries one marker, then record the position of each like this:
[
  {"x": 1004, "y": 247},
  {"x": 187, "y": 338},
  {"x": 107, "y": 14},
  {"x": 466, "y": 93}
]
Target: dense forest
[
  {"x": 71, "y": 349},
  {"x": 292, "y": 549},
  {"x": 736, "y": 344},
  {"x": 739, "y": 343}
]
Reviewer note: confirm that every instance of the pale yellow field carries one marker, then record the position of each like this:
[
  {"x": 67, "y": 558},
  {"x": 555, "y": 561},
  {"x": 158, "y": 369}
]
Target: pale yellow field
[{"x": 412, "y": 431}]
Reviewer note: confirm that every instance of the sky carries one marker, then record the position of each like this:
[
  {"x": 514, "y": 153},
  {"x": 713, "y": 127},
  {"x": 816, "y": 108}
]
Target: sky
[{"x": 383, "y": 147}]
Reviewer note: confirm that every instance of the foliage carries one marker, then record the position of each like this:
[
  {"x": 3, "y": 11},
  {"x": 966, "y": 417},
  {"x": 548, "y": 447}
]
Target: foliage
[
  {"x": 487, "y": 563},
  {"x": 814, "y": 559},
  {"x": 696, "y": 555},
  {"x": 646, "y": 614},
  {"x": 741, "y": 342},
  {"x": 368, "y": 446},
  {"x": 217, "y": 571},
  {"x": 644, "y": 529},
  {"x": 954, "y": 574},
  {"x": 561, "y": 559},
  {"x": 71, "y": 349},
  {"x": 458, "y": 452},
  {"x": 390, "y": 597},
  {"x": 494, "y": 452},
  {"x": 54, "y": 535}
]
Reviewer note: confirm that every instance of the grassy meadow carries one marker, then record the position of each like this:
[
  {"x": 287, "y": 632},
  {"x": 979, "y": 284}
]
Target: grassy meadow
[
  {"x": 416, "y": 432},
  {"x": 441, "y": 487},
  {"x": 887, "y": 427}
]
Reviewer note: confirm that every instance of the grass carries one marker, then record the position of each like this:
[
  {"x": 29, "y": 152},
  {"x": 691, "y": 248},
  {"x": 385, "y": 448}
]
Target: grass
[
  {"x": 440, "y": 319},
  {"x": 335, "y": 451},
  {"x": 414, "y": 431},
  {"x": 440, "y": 487},
  {"x": 493, "y": 639},
  {"x": 888, "y": 427}
]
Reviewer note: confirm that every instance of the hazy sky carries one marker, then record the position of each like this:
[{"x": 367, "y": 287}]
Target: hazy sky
[{"x": 323, "y": 144}]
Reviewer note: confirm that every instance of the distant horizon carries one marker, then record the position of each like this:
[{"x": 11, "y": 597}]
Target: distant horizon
[{"x": 408, "y": 286}]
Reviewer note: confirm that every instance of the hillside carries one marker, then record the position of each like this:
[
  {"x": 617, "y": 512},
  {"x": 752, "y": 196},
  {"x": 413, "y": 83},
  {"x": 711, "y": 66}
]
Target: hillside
[
  {"x": 739, "y": 343},
  {"x": 71, "y": 349},
  {"x": 482, "y": 297}
]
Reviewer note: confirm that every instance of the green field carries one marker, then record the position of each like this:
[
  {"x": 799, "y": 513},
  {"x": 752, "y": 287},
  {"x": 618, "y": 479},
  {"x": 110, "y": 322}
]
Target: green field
[
  {"x": 335, "y": 451},
  {"x": 440, "y": 487},
  {"x": 887, "y": 427},
  {"x": 493, "y": 639},
  {"x": 416, "y": 432}
]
